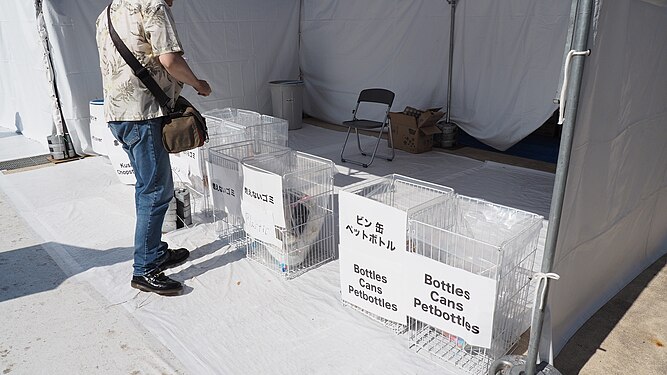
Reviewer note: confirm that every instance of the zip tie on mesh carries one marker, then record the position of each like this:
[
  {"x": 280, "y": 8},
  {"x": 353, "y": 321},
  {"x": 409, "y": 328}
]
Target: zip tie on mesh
[
  {"x": 566, "y": 80},
  {"x": 543, "y": 276}
]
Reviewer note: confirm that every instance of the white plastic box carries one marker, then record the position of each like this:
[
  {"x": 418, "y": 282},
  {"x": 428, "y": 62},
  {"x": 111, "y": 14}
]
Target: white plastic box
[
  {"x": 308, "y": 238},
  {"x": 489, "y": 240}
]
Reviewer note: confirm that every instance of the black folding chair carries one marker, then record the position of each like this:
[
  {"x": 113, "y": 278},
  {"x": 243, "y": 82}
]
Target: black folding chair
[{"x": 380, "y": 96}]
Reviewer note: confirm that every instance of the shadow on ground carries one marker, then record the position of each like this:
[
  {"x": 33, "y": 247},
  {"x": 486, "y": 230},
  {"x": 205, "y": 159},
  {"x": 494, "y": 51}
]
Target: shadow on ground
[{"x": 31, "y": 270}]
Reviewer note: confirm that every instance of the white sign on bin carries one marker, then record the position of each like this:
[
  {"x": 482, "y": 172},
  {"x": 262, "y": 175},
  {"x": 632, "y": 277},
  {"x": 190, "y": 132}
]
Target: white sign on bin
[
  {"x": 121, "y": 162},
  {"x": 99, "y": 129},
  {"x": 372, "y": 249},
  {"x": 179, "y": 167},
  {"x": 451, "y": 299},
  {"x": 193, "y": 160},
  {"x": 262, "y": 205},
  {"x": 225, "y": 188}
]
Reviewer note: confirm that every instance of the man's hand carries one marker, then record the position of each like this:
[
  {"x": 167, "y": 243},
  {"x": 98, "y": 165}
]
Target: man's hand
[{"x": 202, "y": 88}]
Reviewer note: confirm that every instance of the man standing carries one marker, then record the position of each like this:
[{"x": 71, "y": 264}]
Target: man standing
[{"x": 136, "y": 119}]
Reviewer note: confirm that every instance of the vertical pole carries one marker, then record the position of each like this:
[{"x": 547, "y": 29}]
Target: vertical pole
[
  {"x": 300, "y": 31},
  {"x": 581, "y": 31},
  {"x": 451, "y": 58}
]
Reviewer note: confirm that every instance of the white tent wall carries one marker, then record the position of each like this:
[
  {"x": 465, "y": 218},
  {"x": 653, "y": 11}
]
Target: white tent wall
[
  {"x": 25, "y": 90},
  {"x": 351, "y": 45},
  {"x": 507, "y": 60},
  {"x": 237, "y": 45},
  {"x": 507, "y": 68},
  {"x": 71, "y": 31},
  {"x": 502, "y": 90},
  {"x": 614, "y": 221}
]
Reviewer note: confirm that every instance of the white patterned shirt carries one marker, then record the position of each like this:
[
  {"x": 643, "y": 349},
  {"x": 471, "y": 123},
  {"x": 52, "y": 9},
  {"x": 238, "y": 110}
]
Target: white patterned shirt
[{"x": 148, "y": 30}]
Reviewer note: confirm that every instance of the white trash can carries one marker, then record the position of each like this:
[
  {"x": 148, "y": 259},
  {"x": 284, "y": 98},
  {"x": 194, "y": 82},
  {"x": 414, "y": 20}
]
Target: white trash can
[
  {"x": 99, "y": 131},
  {"x": 120, "y": 162},
  {"x": 287, "y": 101}
]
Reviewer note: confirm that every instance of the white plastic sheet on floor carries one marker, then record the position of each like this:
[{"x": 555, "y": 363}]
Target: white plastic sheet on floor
[{"x": 236, "y": 317}]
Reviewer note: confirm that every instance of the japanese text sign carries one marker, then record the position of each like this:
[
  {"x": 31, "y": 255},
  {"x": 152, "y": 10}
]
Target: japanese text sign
[
  {"x": 262, "y": 205},
  {"x": 226, "y": 188},
  {"x": 372, "y": 247}
]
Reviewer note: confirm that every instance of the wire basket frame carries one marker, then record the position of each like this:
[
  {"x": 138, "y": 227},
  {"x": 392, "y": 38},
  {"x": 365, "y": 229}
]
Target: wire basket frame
[
  {"x": 225, "y": 126},
  {"x": 187, "y": 206},
  {"x": 308, "y": 238},
  {"x": 194, "y": 173},
  {"x": 407, "y": 194},
  {"x": 229, "y": 224},
  {"x": 197, "y": 203},
  {"x": 486, "y": 239},
  {"x": 255, "y": 125}
]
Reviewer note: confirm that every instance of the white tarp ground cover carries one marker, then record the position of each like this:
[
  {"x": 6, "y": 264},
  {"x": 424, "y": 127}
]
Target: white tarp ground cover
[{"x": 235, "y": 317}]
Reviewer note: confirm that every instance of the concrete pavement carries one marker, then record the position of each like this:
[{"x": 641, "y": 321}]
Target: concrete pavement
[{"x": 52, "y": 323}]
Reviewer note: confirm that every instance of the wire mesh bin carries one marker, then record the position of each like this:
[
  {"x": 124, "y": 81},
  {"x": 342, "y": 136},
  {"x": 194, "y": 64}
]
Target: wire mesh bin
[
  {"x": 197, "y": 206},
  {"x": 407, "y": 194},
  {"x": 308, "y": 239},
  {"x": 189, "y": 168},
  {"x": 226, "y": 176},
  {"x": 186, "y": 175},
  {"x": 489, "y": 240},
  {"x": 255, "y": 125},
  {"x": 182, "y": 208},
  {"x": 226, "y": 126}
]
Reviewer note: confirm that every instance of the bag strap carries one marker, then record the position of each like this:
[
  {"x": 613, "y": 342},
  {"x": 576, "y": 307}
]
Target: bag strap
[{"x": 139, "y": 70}]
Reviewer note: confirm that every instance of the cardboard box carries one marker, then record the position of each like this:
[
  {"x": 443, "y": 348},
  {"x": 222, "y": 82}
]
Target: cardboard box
[{"x": 414, "y": 134}]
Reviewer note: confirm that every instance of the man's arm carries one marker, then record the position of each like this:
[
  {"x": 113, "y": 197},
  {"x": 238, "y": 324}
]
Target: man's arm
[{"x": 178, "y": 68}]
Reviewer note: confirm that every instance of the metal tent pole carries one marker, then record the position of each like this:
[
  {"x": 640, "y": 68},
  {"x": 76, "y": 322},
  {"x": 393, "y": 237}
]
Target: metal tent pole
[
  {"x": 62, "y": 139},
  {"x": 579, "y": 45},
  {"x": 451, "y": 59}
]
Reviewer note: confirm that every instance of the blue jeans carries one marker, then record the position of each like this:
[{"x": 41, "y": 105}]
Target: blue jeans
[{"x": 142, "y": 140}]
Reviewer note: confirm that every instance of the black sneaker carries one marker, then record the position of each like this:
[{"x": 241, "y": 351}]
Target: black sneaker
[
  {"x": 174, "y": 258},
  {"x": 157, "y": 282}
]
